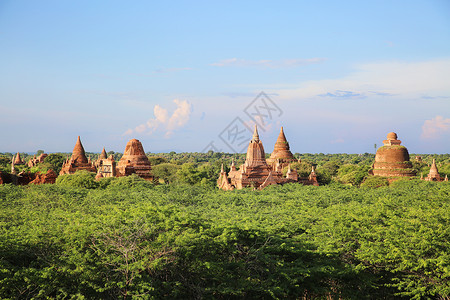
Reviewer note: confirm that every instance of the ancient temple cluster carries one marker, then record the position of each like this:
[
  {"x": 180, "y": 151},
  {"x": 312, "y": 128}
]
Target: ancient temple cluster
[
  {"x": 133, "y": 161},
  {"x": 257, "y": 172},
  {"x": 391, "y": 160}
]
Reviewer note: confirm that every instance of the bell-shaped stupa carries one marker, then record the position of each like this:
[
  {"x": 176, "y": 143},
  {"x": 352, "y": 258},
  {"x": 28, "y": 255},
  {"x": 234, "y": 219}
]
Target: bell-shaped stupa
[
  {"x": 392, "y": 159},
  {"x": 134, "y": 161}
]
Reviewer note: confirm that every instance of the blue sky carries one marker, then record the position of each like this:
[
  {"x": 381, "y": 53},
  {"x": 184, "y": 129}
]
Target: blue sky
[{"x": 176, "y": 75}]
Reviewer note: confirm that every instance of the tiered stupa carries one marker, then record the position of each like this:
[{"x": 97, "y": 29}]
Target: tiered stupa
[
  {"x": 433, "y": 175},
  {"x": 281, "y": 153},
  {"x": 134, "y": 161},
  {"x": 392, "y": 159},
  {"x": 78, "y": 161},
  {"x": 256, "y": 173}
]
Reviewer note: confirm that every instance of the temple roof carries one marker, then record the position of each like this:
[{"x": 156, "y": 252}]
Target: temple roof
[
  {"x": 255, "y": 151},
  {"x": 18, "y": 159},
  {"x": 391, "y": 136},
  {"x": 281, "y": 148},
  {"x": 103, "y": 154},
  {"x": 134, "y": 147},
  {"x": 282, "y": 141},
  {"x": 78, "y": 154},
  {"x": 391, "y": 139}
]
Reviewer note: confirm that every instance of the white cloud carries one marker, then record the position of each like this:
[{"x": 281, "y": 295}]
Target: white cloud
[
  {"x": 266, "y": 63},
  {"x": 162, "y": 121},
  {"x": 427, "y": 79},
  {"x": 180, "y": 116},
  {"x": 434, "y": 128}
]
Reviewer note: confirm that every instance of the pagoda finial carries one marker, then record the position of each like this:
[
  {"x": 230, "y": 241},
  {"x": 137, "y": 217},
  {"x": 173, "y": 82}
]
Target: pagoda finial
[
  {"x": 232, "y": 162},
  {"x": 103, "y": 155},
  {"x": 446, "y": 178},
  {"x": 221, "y": 169},
  {"x": 255, "y": 135}
]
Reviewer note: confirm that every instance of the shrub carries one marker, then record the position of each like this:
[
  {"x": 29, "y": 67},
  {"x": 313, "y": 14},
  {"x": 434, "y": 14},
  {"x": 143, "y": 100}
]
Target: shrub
[
  {"x": 81, "y": 179},
  {"x": 128, "y": 182},
  {"x": 374, "y": 182}
]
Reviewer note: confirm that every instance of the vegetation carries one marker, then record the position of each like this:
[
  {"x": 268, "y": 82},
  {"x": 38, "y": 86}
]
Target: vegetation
[
  {"x": 128, "y": 238},
  {"x": 353, "y": 237}
]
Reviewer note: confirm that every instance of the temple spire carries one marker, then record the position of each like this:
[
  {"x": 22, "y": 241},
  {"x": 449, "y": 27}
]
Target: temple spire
[
  {"x": 221, "y": 169},
  {"x": 103, "y": 154},
  {"x": 78, "y": 154},
  {"x": 18, "y": 159},
  {"x": 282, "y": 141},
  {"x": 255, "y": 135}
]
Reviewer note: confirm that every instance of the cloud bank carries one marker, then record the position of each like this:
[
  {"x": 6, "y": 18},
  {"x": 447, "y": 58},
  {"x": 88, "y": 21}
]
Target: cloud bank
[{"x": 162, "y": 121}]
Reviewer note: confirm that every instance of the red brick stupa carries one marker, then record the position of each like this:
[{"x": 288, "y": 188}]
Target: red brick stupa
[
  {"x": 434, "y": 175},
  {"x": 134, "y": 161},
  {"x": 18, "y": 160},
  {"x": 281, "y": 153},
  {"x": 392, "y": 159},
  {"x": 78, "y": 161}
]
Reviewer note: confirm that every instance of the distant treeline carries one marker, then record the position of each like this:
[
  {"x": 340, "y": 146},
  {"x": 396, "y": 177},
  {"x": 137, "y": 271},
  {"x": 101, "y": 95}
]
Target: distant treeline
[{"x": 204, "y": 168}]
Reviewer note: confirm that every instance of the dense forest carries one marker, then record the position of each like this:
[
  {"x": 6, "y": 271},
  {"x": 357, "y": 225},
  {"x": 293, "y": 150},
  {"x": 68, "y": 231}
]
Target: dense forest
[{"x": 353, "y": 237}]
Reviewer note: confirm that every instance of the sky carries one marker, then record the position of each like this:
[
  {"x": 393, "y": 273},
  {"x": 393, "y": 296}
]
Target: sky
[{"x": 193, "y": 76}]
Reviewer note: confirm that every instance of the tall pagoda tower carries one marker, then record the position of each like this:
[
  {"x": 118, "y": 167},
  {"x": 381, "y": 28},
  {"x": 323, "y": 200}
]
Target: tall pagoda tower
[{"x": 78, "y": 161}]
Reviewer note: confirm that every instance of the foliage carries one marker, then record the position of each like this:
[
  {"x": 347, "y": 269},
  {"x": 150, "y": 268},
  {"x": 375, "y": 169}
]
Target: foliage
[
  {"x": 127, "y": 238},
  {"x": 166, "y": 172},
  {"x": 81, "y": 179},
  {"x": 352, "y": 174},
  {"x": 374, "y": 182},
  {"x": 127, "y": 182},
  {"x": 55, "y": 160},
  {"x": 5, "y": 163}
]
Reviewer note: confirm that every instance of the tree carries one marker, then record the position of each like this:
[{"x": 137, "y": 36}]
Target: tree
[
  {"x": 166, "y": 171},
  {"x": 154, "y": 160},
  {"x": 189, "y": 174},
  {"x": 55, "y": 160}
]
